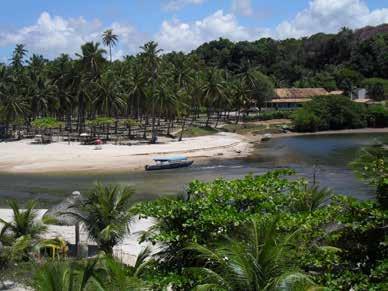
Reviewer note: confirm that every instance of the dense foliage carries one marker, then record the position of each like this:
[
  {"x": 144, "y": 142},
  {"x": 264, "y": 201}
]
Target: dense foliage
[
  {"x": 340, "y": 245},
  {"x": 338, "y": 112},
  {"x": 263, "y": 232},
  {"x": 218, "y": 76}
]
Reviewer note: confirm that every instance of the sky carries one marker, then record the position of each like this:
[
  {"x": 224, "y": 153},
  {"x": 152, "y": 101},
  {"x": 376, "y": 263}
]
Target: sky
[{"x": 50, "y": 27}]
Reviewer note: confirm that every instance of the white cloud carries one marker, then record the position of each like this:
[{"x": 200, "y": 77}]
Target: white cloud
[
  {"x": 330, "y": 16},
  {"x": 53, "y": 35},
  {"x": 178, "y": 35},
  {"x": 175, "y": 5},
  {"x": 242, "y": 7}
]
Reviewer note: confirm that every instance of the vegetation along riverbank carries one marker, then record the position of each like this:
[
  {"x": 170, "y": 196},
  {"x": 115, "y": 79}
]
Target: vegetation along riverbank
[{"x": 259, "y": 231}]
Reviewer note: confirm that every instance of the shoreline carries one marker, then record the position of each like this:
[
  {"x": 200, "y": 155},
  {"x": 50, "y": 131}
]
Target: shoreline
[
  {"x": 333, "y": 132},
  {"x": 22, "y": 157},
  {"x": 59, "y": 158}
]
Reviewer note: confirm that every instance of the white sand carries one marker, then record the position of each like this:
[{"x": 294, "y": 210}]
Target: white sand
[
  {"x": 24, "y": 157},
  {"x": 126, "y": 251}
]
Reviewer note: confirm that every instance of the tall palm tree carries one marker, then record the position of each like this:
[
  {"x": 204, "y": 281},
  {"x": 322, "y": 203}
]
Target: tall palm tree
[
  {"x": 241, "y": 95},
  {"x": 110, "y": 40},
  {"x": 17, "y": 56},
  {"x": 91, "y": 58},
  {"x": 105, "y": 214},
  {"x": 213, "y": 90},
  {"x": 257, "y": 260},
  {"x": 151, "y": 60}
]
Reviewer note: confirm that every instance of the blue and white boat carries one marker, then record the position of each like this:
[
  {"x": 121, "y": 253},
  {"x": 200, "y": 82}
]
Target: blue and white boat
[{"x": 169, "y": 163}]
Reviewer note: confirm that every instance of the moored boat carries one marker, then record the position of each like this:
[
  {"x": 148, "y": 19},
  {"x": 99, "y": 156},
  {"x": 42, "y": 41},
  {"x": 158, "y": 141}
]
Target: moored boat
[
  {"x": 169, "y": 163},
  {"x": 266, "y": 137}
]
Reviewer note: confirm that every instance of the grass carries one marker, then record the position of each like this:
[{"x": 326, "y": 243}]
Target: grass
[{"x": 198, "y": 131}]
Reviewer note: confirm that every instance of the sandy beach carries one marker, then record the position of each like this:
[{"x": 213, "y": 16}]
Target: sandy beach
[{"x": 25, "y": 157}]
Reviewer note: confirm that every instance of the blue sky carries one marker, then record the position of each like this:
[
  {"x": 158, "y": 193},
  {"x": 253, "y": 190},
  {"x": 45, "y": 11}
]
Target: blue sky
[{"x": 52, "y": 27}]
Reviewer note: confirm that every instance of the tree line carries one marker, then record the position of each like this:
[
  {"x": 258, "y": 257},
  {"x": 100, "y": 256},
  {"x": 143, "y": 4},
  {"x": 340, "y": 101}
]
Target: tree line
[{"x": 151, "y": 86}]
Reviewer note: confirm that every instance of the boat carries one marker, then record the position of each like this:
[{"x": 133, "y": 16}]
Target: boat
[
  {"x": 266, "y": 137},
  {"x": 169, "y": 163}
]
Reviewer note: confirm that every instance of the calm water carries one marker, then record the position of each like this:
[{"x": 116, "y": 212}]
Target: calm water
[{"x": 331, "y": 154}]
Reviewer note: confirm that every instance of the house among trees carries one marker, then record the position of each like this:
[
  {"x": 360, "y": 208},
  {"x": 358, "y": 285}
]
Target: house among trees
[{"x": 289, "y": 98}]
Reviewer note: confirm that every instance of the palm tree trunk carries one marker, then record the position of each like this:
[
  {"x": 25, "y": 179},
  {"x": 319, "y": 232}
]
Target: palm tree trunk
[{"x": 183, "y": 129}]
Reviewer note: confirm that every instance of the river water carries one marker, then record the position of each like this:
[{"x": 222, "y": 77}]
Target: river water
[{"x": 330, "y": 154}]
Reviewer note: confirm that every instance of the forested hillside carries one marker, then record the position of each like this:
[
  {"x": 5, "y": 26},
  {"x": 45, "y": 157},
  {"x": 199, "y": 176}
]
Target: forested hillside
[{"x": 322, "y": 60}]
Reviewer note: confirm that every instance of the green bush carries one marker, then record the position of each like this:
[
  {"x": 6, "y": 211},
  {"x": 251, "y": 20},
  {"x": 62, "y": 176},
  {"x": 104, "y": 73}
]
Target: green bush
[
  {"x": 377, "y": 116},
  {"x": 331, "y": 112},
  {"x": 306, "y": 121},
  {"x": 278, "y": 114}
]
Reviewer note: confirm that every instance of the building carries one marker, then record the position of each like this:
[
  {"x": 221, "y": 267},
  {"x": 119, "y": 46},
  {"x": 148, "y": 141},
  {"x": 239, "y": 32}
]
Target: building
[{"x": 290, "y": 98}]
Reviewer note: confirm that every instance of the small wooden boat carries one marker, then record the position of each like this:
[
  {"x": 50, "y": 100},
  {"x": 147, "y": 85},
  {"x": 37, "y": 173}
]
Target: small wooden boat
[
  {"x": 266, "y": 137},
  {"x": 169, "y": 163}
]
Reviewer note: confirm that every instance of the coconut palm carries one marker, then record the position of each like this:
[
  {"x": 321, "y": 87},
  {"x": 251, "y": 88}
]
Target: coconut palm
[
  {"x": 213, "y": 90},
  {"x": 257, "y": 260},
  {"x": 23, "y": 232},
  {"x": 23, "y": 221},
  {"x": 91, "y": 58},
  {"x": 67, "y": 276},
  {"x": 102, "y": 273},
  {"x": 110, "y": 40},
  {"x": 151, "y": 60},
  {"x": 105, "y": 213},
  {"x": 17, "y": 56}
]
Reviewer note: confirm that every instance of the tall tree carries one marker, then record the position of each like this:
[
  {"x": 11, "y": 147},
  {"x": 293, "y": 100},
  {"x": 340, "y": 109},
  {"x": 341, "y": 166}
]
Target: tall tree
[
  {"x": 110, "y": 40},
  {"x": 151, "y": 59},
  {"x": 105, "y": 213}
]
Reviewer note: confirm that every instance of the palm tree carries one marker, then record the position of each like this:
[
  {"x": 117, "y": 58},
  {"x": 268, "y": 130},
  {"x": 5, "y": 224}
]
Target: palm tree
[
  {"x": 105, "y": 214},
  {"x": 24, "y": 221},
  {"x": 241, "y": 96},
  {"x": 17, "y": 56},
  {"x": 213, "y": 90},
  {"x": 310, "y": 198},
  {"x": 257, "y": 260},
  {"x": 102, "y": 273},
  {"x": 23, "y": 232},
  {"x": 91, "y": 58},
  {"x": 109, "y": 39},
  {"x": 151, "y": 60},
  {"x": 68, "y": 276}
]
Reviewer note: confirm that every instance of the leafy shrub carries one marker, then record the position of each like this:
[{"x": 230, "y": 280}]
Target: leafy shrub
[
  {"x": 377, "y": 116},
  {"x": 269, "y": 115},
  {"x": 306, "y": 121},
  {"x": 330, "y": 113}
]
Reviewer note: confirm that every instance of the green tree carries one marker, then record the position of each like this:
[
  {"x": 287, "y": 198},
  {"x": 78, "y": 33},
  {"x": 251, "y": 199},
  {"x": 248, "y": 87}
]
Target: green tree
[
  {"x": 371, "y": 165},
  {"x": 110, "y": 40},
  {"x": 150, "y": 57},
  {"x": 258, "y": 260},
  {"x": 105, "y": 214}
]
